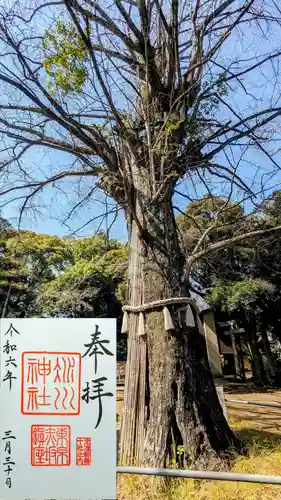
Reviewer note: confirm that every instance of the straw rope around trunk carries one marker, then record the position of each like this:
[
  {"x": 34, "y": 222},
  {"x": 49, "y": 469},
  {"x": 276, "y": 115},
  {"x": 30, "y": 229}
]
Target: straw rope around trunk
[
  {"x": 190, "y": 320},
  {"x": 157, "y": 303}
]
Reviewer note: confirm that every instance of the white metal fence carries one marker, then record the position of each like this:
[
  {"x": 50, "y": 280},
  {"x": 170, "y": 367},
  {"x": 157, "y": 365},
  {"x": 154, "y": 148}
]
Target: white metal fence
[
  {"x": 195, "y": 474},
  {"x": 209, "y": 475}
]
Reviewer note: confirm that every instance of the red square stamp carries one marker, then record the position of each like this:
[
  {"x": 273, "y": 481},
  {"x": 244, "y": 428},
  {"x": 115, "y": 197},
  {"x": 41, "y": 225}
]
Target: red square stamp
[
  {"x": 50, "y": 383},
  {"x": 83, "y": 451},
  {"x": 50, "y": 445}
]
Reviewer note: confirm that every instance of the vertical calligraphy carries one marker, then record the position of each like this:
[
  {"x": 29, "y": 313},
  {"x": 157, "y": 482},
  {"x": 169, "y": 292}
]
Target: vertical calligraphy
[
  {"x": 83, "y": 451},
  {"x": 9, "y": 350},
  {"x": 95, "y": 389},
  {"x": 8, "y": 462}
]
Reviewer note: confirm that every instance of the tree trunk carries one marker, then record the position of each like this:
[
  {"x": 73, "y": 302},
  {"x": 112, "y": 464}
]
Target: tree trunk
[
  {"x": 269, "y": 356},
  {"x": 241, "y": 358},
  {"x": 257, "y": 365},
  {"x": 170, "y": 398},
  {"x": 235, "y": 354}
]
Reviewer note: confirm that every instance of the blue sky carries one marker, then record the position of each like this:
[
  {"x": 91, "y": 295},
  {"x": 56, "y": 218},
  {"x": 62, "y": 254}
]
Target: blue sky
[{"x": 53, "y": 207}]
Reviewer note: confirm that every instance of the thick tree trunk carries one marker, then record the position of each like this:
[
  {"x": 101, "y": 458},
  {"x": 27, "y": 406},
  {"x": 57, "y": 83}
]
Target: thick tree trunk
[{"x": 170, "y": 398}]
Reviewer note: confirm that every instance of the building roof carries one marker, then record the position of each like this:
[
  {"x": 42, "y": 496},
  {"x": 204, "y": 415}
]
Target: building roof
[{"x": 201, "y": 302}]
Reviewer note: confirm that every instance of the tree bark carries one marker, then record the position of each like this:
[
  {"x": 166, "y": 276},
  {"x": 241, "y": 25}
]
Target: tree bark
[
  {"x": 241, "y": 359},
  {"x": 257, "y": 365},
  {"x": 235, "y": 355},
  {"x": 170, "y": 398},
  {"x": 269, "y": 356}
]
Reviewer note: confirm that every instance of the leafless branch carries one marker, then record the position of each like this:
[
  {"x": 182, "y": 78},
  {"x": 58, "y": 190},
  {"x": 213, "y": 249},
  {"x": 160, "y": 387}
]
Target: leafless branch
[{"x": 236, "y": 240}]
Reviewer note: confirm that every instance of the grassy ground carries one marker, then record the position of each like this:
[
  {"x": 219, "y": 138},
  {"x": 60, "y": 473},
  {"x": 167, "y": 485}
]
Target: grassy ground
[{"x": 260, "y": 427}]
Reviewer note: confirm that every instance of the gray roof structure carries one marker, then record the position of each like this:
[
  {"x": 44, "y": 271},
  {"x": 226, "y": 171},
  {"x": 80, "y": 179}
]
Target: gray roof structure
[{"x": 201, "y": 303}]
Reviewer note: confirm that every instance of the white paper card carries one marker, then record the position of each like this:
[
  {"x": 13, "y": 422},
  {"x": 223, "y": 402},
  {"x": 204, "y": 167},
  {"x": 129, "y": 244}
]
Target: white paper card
[{"x": 58, "y": 409}]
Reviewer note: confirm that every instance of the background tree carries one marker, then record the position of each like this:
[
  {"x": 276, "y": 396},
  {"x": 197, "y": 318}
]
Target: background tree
[
  {"x": 143, "y": 97},
  {"x": 213, "y": 219},
  {"x": 28, "y": 260},
  {"x": 51, "y": 276},
  {"x": 243, "y": 280},
  {"x": 89, "y": 287},
  {"x": 92, "y": 286},
  {"x": 249, "y": 303},
  {"x": 13, "y": 277}
]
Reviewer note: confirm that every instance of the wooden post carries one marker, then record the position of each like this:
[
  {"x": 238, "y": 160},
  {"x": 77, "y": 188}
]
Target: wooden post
[{"x": 221, "y": 397}]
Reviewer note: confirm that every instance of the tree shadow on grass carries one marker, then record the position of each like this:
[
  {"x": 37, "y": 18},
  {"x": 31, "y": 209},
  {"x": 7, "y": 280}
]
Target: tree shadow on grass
[
  {"x": 247, "y": 387},
  {"x": 261, "y": 440}
]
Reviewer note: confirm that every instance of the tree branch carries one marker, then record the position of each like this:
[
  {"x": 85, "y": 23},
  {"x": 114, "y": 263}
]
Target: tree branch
[{"x": 221, "y": 245}]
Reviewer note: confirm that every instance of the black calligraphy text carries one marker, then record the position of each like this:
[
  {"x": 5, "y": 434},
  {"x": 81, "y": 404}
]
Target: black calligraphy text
[
  {"x": 95, "y": 391},
  {"x": 9, "y": 348},
  {"x": 8, "y": 462},
  {"x": 97, "y": 347}
]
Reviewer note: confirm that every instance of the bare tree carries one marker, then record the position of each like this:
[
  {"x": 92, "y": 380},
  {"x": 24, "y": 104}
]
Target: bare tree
[{"x": 149, "y": 98}]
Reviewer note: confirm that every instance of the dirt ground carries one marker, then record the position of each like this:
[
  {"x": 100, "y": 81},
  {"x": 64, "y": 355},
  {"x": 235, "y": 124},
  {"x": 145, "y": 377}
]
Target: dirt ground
[
  {"x": 261, "y": 417},
  {"x": 264, "y": 418}
]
